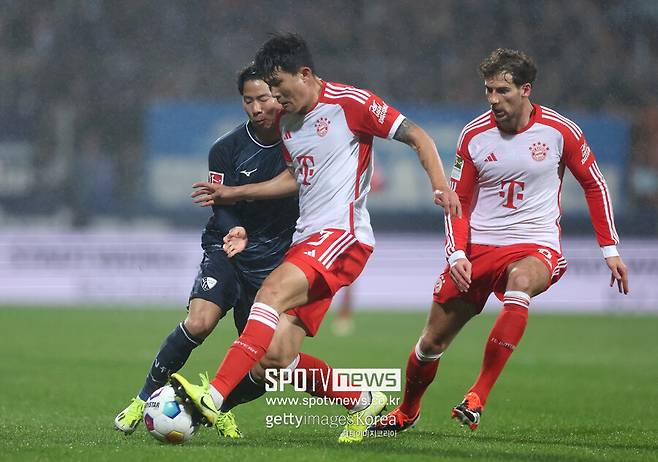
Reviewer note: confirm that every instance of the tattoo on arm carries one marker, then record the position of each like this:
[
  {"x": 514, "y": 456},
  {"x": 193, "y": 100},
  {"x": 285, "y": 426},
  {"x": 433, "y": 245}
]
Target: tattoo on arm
[{"x": 402, "y": 133}]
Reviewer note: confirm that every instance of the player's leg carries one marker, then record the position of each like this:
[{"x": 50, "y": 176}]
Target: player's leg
[
  {"x": 283, "y": 289},
  {"x": 174, "y": 351},
  {"x": 285, "y": 352},
  {"x": 281, "y": 354},
  {"x": 343, "y": 324},
  {"x": 443, "y": 324},
  {"x": 525, "y": 279},
  {"x": 204, "y": 312},
  {"x": 330, "y": 258}
]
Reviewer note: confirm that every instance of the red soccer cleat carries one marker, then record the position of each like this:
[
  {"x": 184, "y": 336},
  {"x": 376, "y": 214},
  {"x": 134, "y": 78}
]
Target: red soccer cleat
[
  {"x": 468, "y": 412},
  {"x": 395, "y": 421}
]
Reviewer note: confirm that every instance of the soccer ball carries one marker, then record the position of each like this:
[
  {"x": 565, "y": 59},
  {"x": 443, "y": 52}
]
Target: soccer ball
[{"x": 167, "y": 419}]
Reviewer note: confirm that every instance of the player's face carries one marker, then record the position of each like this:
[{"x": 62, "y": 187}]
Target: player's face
[
  {"x": 505, "y": 97},
  {"x": 258, "y": 103},
  {"x": 290, "y": 90}
]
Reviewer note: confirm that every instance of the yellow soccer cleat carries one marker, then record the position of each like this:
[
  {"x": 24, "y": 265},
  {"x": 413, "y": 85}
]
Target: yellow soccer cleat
[
  {"x": 197, "y": 395},
  {"x": 358, "y": 422},
  {"x": 226, "y": 425},
  {"x": 128, "y": 419}
]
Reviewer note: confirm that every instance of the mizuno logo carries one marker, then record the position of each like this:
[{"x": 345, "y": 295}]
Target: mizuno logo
[
  {"x": 248, "y": 173},
  {"x": 491, "y": 158}
]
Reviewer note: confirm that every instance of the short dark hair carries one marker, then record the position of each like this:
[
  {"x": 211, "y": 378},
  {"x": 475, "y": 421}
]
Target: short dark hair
[
  {"x": 287, "y": 52},
  {"x": 506, "y": 61},
  {"x": 246, "y": 74}
]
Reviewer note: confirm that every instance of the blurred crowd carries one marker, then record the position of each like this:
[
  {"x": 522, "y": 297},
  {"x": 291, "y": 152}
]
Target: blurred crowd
[{"x": 77, "y": 75}]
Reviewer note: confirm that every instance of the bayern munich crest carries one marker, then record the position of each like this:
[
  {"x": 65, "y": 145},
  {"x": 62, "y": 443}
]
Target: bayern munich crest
[
  {"x": 539, "y": 151},
  {"x": 322, "y": 126}
]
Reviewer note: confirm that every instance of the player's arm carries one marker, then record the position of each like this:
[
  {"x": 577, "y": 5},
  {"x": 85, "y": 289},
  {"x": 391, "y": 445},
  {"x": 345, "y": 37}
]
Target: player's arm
[
  {"x": 221, "y": 172},
  {"x": 282, "y": 185},
  {"x": 463, "y": 181},
  {"x": 580, "y": 160},
  {"x": 418, "y": 139}
]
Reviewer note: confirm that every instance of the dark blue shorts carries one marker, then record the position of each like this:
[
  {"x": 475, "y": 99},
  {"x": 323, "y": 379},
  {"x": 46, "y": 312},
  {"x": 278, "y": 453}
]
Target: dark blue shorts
[{"x": 218, "y": 281}]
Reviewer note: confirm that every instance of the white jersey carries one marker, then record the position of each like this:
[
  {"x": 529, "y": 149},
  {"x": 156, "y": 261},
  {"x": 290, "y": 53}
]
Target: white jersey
[
  {"x": 330, "y": 149},
  {"x": 509, "y": 183}
]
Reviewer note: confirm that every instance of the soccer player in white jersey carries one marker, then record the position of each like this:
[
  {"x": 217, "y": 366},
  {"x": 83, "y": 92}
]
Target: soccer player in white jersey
[
  {"x": 508, "y": 173},
  {"x": 327, "y": 131}
]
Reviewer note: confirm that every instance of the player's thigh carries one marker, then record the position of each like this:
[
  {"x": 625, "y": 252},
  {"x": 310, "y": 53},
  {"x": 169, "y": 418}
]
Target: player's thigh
[
  {"x": 529, "y": 275},
  {"x": 214, "y": 292},
  {"x": 202, "y": 317},
  {"x": 286, "y": 287},
  {"x": 444, "y": 323},
  {"x": 285, "y": 346}
]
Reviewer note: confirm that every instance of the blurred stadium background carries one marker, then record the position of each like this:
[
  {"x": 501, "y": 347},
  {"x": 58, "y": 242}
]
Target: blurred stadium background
[{"x": 108, "y": 108}]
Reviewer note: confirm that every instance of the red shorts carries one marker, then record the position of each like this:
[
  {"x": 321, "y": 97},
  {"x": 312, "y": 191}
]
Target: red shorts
[
  {"x": 330, "y": 259},
  {"x": 489, "y": 273}
]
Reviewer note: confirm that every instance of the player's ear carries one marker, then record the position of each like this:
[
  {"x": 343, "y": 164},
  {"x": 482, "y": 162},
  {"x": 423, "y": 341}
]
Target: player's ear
[
  {"x": 306, "y": 73},
  {"x": 526, "y": 89}
]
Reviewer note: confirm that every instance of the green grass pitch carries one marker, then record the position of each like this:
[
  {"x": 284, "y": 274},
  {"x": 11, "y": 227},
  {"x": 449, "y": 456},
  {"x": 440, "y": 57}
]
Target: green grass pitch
[{"x": 578, "y": 388}]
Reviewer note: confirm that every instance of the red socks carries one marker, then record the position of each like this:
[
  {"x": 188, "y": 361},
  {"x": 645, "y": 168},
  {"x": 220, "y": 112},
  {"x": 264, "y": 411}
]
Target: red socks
[
  {"x": 503, "y": 339},
  {"x": 421, "y": 369},
  {"x": 248, "y": 349}
]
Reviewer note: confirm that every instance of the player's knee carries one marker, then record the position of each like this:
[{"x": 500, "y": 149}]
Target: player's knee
[
  {"x": 520, "y": 280},
  {"x": 432, "y": 344},
  {"x": 201, "y": 324},
  {"x": 276, "y": 360},
  {"x": 270, "y": 294}
]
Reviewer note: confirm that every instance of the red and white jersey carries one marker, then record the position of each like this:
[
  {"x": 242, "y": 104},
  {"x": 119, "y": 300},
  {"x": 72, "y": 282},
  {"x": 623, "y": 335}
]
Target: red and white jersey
[
  {"x": 509, "y": 183},
  {"x": 330, "y": 149}
]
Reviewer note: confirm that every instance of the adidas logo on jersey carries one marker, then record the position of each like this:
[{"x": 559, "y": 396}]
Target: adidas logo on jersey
[
  {"x": 287, "y": 135},
  {"x": 310, "y": 253},
  {"x": 491, "y": 158}
]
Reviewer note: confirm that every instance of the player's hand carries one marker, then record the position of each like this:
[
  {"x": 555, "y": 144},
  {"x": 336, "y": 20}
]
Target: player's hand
[
  {"x": 460, "y": 272},
  {"x": 207, "y": 194},
  {"x": 619, "y": 273},
  {"x": 449, "y": 200},
  {"x": 235, "y": 241}
]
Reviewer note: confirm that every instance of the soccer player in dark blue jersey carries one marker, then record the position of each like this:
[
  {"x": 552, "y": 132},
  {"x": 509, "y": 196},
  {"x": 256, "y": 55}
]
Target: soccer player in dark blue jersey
[{"x": 242, "y": 244}]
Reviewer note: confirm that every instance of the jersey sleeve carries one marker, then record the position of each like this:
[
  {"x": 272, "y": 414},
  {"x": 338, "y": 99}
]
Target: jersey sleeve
[
  {"x": 463, "y": 180},
  {"x": 221, "y": 171},
  {"x": 370, "y": 115},
  {"x": 580, "y": 160}
]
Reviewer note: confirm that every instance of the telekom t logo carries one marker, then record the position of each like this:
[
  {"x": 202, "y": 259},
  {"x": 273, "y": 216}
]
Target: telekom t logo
[
  {"x": 511, "y": 189},
  {"x": 307, "y": 164}
]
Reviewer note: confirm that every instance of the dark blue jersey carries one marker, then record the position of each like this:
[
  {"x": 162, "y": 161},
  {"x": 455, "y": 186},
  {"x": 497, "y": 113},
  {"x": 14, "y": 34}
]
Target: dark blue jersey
[{"x": 238, "y": 158}]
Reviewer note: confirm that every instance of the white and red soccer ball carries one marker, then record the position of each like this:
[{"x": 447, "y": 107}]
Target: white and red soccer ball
[{"x": 167, "y": 419}]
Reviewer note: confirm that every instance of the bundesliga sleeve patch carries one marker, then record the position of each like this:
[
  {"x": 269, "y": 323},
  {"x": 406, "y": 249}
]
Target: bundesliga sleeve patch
[
  {"x": 215, "y": 178},
  {"x": 457, "y": 169}
]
